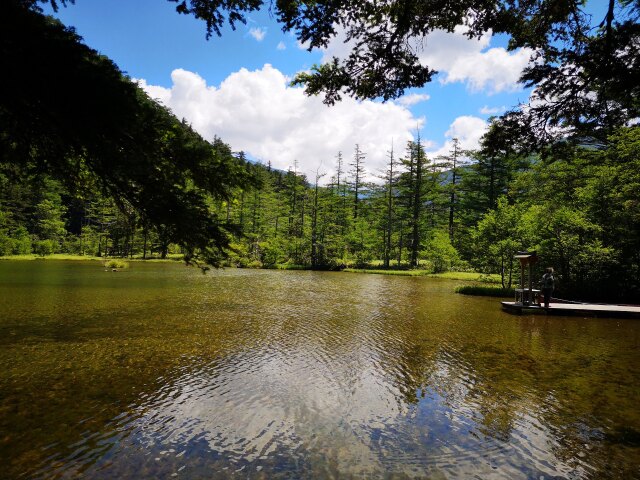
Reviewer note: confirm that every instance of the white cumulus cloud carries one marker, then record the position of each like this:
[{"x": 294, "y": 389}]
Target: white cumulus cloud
[
  {"x": 258, "y": 33},
  {"x": 467, "y": 129},
  {"x": 457, "y": 58},
  {"x": 471, "y": 61},
  {"x": 259, "y": 113},
  {"x": 281, "y": 46},
  {"x": 412, "y": 99}
]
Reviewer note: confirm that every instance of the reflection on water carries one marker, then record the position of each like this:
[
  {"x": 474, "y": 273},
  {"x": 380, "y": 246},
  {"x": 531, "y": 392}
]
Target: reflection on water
[{"x": 161, "y": 372}]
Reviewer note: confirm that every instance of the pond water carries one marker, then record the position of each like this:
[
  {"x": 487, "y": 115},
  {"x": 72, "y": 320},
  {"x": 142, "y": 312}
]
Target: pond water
[{"x": 162, "y": 372}]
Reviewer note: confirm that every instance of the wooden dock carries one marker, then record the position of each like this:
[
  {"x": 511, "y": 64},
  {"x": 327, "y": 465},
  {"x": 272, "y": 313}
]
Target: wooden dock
[{"x": 575, "y": 309}]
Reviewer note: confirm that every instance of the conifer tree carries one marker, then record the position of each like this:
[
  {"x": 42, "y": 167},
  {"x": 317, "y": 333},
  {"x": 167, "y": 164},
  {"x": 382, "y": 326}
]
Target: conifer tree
[
  {"x": 412, "y": 196},
  {"x": 452, "y": 163},
  {"x": 315, "y": 251},
  {"x": 390, "y": 178},
  {"x": 357, "y": 174}
]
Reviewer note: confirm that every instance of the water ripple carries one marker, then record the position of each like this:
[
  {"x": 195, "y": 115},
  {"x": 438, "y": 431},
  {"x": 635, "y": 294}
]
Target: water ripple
[{"x": 310, "y": 375}]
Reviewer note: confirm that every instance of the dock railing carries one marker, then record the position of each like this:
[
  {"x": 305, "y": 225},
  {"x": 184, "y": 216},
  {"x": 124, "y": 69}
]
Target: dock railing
[{"x": 528, "y": 296}]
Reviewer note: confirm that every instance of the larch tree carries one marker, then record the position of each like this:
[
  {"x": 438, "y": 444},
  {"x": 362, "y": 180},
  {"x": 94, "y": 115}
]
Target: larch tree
[
  {"x": 357, "y": 173},
  {"x": 390, "y": 178}
]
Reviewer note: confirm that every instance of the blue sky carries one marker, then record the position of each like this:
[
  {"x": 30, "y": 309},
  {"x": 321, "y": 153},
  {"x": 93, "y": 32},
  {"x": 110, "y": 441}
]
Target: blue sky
[{"x": 235, "y": 86}]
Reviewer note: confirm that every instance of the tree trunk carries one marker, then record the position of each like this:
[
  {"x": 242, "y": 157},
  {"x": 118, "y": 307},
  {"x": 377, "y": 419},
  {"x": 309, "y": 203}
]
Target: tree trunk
[
  {"x": 144, "y": 246},
  {"x": 453, "y": 190},
  {"x": 417, "y": 203}
]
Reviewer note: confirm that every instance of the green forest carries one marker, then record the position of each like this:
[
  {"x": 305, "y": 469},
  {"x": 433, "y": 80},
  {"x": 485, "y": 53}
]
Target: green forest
[
  {"x": 115, "y": 174},
  {"x": 578, "y": 207}
]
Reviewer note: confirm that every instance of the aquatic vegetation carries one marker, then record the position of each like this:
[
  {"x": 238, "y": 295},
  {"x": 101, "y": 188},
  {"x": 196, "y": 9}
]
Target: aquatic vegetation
[
  {"x": 117, "y": 263},
  {"x": 485, "y": 291}
]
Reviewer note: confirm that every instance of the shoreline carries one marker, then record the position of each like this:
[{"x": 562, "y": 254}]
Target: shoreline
[
  {"x": 475, "y": 277},
  {"x": 85, "y": 258},
  {"x": 463, "y": 276}
]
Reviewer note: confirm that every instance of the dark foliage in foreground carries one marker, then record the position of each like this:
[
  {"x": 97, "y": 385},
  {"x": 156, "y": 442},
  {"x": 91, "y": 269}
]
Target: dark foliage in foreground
[{"x": 67, "y": 111}]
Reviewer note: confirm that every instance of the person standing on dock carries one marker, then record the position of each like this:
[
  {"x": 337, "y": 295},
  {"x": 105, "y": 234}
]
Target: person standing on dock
[{"x": 547, "y": 283}]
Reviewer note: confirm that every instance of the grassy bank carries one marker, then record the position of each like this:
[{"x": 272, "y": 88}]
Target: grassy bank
[
  {"x": 472, "y": 277},
  {"x": 67, "y": 256},
  {"x": 55, "y": 256},
  {"x": 485, "y": 291},
  {"x": 289, "y": 266},
  {"x": 408, "y": 273},
  {"x": 465, "y": 276}
]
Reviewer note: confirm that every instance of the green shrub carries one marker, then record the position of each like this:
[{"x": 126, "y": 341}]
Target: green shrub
[
  {"x": 71, "y": 244},
  {"x": 440, "y": 253},
  {"x": 272, "y": 252},
  {"x": 485, "y": 291},
  {"x": 405, "y": 273},
  {"x": 6, "y": 245},
  {"x": 240, "y": 262},
  {"x": 45, "y": 247},
  {"x": 290, "y": 266},
  {"x": 116, "y": 263},
  {"x": 20, "y": 242}
]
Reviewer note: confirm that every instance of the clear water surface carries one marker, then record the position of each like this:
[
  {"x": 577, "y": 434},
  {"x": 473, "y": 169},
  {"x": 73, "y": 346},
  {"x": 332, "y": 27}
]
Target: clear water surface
[{"x": 162, "y": 372}]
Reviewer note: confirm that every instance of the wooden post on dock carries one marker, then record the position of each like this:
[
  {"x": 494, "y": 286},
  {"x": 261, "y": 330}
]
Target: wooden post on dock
[{"x": 526, "y": 259}]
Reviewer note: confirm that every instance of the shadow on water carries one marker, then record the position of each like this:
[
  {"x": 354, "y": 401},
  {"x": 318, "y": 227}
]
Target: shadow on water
[{"x": 161, "y": 372}]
